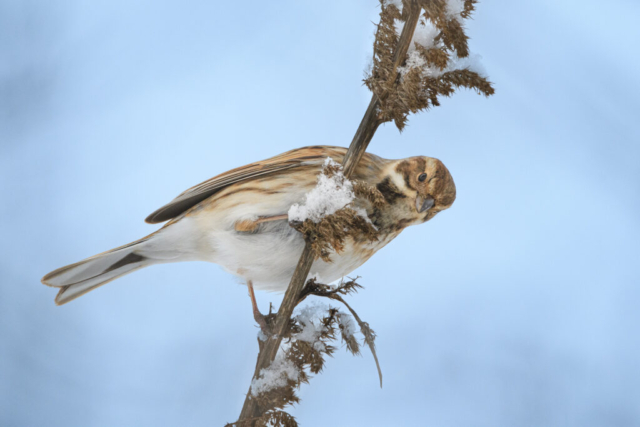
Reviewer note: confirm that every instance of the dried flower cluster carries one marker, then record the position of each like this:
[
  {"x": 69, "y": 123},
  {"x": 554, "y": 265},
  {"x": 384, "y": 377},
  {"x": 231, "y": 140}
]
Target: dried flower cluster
[
  {"x": 308, "y": 340},
  {"x": 435, "y": 64},
  {"x": 329, "y": 232},
  {"x": 337, "y": 293},
  {"x": 370, "y": 193}
]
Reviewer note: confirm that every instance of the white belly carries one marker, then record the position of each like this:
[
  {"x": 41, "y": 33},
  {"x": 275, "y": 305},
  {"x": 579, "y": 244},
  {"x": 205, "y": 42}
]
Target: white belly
[{"x": 269, "y": 258}]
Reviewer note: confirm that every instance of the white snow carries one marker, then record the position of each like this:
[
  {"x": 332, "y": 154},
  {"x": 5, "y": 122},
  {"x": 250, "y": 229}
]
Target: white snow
[
  {"x": 306, "y": 316},
  {"x": 282, "y": 370},
  {"x": 424, "y": 35},
  {"x": 348, "y": 324},
  {"x": 454, "y": 9},
  {"x": 414, "y": 60},
  {"x": 309, "y": 317},
  {"x": 327, "y": 197},
  {"x": 262, "y": 336},
  {"x": 397, "y": 3},
  {"x": 471, "y": 63},
  {"x": 276, "y": 375}
]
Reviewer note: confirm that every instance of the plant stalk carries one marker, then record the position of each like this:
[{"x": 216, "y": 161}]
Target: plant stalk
[{"x": 359, "y": 144}]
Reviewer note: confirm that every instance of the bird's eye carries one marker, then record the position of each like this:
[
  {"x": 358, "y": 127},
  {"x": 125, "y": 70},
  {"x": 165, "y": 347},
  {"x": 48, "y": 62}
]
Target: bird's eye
[{"x": 422, "y": 177}]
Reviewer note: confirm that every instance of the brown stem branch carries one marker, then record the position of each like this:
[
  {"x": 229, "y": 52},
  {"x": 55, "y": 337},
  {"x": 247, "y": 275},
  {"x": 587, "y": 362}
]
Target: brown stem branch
[
  {"x": 335, "y": 294},
  {"x": 359, "y": 144},
  {"x": 366, "y": 331}
]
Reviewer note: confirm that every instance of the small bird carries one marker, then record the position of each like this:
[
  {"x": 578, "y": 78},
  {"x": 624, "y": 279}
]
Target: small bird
[{"x": 239, "y": 221}]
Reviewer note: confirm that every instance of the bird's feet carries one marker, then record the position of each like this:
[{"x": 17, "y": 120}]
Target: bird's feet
[{"x": 261, "y": 319}]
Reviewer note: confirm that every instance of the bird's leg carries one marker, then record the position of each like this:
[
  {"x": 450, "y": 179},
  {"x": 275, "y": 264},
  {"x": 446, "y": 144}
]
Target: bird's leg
[{"x": 256, "y": 312}]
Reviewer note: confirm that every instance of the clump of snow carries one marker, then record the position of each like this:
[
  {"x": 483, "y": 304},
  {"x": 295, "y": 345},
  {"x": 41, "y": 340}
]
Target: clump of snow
[
  {"x": 347, "y": 324},
  {"x": 471, "y": 63},
  {"x": 454, "y": 8},
  {"x": 282, "y": 369},
  {"x": 331, "y": 194},
  {"x": 309, "y": 318},
  {"x": 306, "y": 316},
  {"x": 414, "y": 60},
  {"x": 276, "y": 375},
  {"x": 425, "y": 35},
  {"x": 396, "y": 3}
]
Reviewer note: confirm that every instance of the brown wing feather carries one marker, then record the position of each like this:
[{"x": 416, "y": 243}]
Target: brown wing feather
[{"x": 196, "y": 194}]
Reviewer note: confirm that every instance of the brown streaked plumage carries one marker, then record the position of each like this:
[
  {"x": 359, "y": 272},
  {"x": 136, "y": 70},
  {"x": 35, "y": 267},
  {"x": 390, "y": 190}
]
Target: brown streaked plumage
[{"x": 238, "y": 220}]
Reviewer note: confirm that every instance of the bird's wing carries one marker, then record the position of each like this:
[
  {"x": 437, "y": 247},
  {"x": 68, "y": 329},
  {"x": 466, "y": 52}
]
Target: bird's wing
[{"x": 196, "y": 194}]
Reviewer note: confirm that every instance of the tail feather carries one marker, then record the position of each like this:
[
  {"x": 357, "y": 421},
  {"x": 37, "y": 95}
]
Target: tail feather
[{"x": 77, "y": 279}]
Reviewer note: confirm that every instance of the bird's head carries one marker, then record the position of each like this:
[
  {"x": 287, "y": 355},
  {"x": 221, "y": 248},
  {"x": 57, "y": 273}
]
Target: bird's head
[{"x": 427, "y": 186}]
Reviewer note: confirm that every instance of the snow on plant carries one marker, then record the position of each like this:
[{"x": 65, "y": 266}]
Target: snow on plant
[
  {"x": 426, "y": 36},
  {"x": 332, "y": 193},
  {"x": 437, "y": 61},
  {"x": 277, "y": 375},
  {"x": 309, "y": 339},
  {"x": 333, "y": 210},
  {"x": 311, "y": 328}
]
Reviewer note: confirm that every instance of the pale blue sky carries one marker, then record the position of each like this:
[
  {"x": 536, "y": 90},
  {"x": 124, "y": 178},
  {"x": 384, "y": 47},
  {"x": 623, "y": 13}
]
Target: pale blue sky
[{"x": 517, "y": 307}]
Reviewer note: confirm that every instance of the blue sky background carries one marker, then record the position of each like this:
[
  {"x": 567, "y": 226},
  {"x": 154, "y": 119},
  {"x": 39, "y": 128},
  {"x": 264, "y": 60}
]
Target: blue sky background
[{"x": 517, "y": 307}]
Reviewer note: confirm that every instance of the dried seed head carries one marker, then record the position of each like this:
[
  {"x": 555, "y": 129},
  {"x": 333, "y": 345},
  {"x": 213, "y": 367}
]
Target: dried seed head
[
  {"x": 330, "y": 232},
  {"x": 429, "y": 71}
]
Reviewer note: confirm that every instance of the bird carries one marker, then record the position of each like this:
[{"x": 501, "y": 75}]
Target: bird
[{"x": 239, "y": 220}]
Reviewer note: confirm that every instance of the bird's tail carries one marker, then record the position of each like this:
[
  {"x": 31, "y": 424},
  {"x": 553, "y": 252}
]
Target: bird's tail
[{"x": 77, "y": 279}]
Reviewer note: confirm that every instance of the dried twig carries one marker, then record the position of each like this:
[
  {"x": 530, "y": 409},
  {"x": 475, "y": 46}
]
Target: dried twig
[
  {"x": 308, "y": 340},
  {"x": 363, "y": 136},
  {"x": 397, "y": 92}
]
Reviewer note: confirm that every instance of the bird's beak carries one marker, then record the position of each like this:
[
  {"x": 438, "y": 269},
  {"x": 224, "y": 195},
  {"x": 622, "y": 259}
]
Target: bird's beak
[{"x": 424, "y": 204}]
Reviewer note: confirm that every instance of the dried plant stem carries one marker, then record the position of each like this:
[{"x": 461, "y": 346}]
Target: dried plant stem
[
  {"x": 363, "y": 136},
  {"x": 269, "y": 349},
  {"x": 369, "y": 337}
]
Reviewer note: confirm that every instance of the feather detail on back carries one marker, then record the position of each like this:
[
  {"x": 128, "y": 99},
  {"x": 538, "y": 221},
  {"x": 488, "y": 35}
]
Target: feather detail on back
[{"x": 194, "y": 195}]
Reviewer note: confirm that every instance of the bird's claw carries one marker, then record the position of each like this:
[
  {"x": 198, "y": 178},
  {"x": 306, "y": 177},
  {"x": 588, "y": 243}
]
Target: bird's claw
[{"x": 261, "y": 320}]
